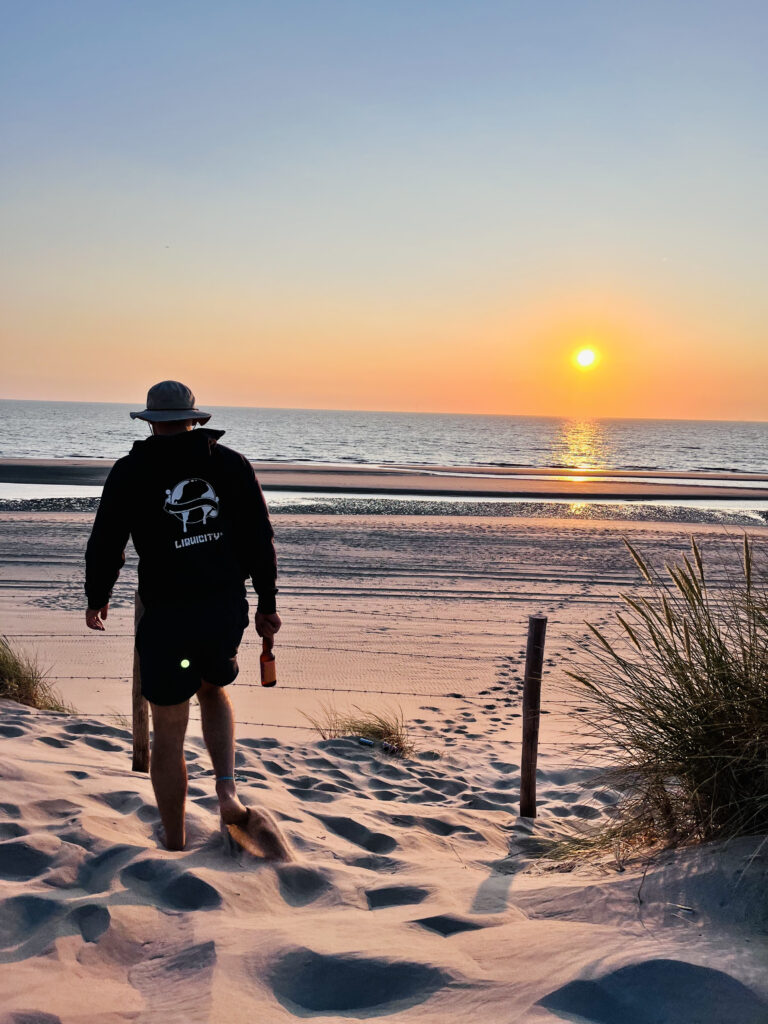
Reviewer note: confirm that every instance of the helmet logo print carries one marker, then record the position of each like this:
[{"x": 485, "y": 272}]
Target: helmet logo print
[{"x": 192, "y": 501}]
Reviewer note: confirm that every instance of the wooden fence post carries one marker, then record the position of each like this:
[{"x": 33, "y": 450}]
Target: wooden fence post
[
  {"x": 140, "y": 706},
  {"x": 534, "y": 660}
]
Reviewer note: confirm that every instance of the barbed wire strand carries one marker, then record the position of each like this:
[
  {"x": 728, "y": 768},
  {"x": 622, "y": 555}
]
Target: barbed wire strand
[{"x": 288, "y": 647}]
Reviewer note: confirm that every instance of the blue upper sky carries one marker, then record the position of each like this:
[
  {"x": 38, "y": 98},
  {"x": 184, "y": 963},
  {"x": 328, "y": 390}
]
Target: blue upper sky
[{"x": 396, "y": 157}]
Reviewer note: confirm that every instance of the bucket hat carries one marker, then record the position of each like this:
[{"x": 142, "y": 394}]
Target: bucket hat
[{"x": 168, "y": 401}]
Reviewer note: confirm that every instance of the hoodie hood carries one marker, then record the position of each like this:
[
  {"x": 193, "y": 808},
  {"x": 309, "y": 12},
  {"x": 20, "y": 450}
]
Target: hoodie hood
[{"x": 199, "y": 440}]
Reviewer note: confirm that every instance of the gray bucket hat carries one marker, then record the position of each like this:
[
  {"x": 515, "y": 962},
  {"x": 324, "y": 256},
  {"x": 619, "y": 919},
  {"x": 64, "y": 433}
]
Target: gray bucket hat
[{"x": 168, "y": 401}]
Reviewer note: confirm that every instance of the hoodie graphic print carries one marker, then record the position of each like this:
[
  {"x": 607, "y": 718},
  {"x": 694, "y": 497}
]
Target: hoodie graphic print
[{"x": 197, "y": 518}]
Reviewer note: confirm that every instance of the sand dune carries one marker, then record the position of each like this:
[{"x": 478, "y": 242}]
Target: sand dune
[{"x": 415, "y": 896}]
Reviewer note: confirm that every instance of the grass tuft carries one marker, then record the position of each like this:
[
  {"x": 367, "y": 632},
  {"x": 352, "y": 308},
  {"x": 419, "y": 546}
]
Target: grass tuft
[
  {"x": 387, "y": 728},
  {"x": 676, "y": 697},
  {"x": 22, "y": 680},
  {"x": 121, "y": 720}
]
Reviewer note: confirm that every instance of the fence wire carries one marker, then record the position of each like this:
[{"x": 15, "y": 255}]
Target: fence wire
[{"x": 493, "y": 679}]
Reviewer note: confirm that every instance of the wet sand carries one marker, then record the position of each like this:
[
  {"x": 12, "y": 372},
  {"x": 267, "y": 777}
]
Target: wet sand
[{"x": 466, "y": 482}]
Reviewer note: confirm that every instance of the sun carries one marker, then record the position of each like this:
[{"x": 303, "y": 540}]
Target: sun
[{"x": 586, "y": 358}]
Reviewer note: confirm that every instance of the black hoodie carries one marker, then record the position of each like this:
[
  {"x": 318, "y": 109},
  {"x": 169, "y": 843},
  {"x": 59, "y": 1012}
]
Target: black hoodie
[{"x": 198, "y": 521}]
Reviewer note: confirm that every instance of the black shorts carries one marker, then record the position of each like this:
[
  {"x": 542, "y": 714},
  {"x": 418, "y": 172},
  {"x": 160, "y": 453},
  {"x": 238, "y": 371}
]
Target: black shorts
[{"x": 179, "y": 646}]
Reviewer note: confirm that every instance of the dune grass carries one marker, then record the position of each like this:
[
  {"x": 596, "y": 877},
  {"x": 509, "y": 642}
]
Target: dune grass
[
  {"x": 121, "y": 720},
  {"x": 676, "y": 695},
  {"x": 22, "y": 680},
  {"x": 387, "y": 728}
]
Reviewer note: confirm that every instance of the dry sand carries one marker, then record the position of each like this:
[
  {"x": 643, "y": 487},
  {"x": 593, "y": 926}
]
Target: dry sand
[{"x": 417, "y": 893}]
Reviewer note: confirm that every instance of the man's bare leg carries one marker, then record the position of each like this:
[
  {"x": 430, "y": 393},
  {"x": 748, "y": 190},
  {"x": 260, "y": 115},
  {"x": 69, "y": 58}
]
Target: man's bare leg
[
  {"x": 168, "y": 769},
  {"x": 219, "y": 735}
]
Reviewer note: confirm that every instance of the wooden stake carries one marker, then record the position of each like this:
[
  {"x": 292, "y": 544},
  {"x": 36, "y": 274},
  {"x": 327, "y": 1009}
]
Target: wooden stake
[
  {"x": 534, "y": 660},
  {"x": 140, "y": 706}
]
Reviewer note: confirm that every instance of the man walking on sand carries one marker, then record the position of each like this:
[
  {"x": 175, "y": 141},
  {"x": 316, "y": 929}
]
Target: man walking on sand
[{"x": 200, "y": 526}]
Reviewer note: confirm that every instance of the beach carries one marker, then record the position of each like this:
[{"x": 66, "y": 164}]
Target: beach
[
  {"x": 459, "y": 306},
  {"x": 417, "y": 893},
  {"x": 441, "y": 481}
]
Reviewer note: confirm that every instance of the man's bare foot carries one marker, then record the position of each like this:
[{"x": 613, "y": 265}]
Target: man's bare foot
[
  {"x": 266, "y": 834},
  {"x": 233, "y": 811},
  {"x": 178, "y": 843},
  {"x": 259, "y": 835}
]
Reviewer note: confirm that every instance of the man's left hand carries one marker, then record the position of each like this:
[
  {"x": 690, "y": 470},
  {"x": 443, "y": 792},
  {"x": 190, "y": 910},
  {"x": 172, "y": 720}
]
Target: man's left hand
[
  {"x": 267, "y": 625},
  {"x": 94, "y": 617}
]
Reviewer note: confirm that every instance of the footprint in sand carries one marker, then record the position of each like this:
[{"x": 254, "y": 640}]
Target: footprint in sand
[
  {"x": 22, "y": 916},
  {"x": 395, "y": 896},
  {"x": 659, "y": 990},
  {"x": 97, "y": 872},
  {"x": 94, "y": 729},
  {"x": 316, "y": 796},
  {"x": 424, "y": 796},
  {"x": 303, "y": 782},
  {"x": 29, "y": 1017},
  {"x": 307, "y": 982},
  {"x": 354, "y": 832},
  {"x": 349, "y": 749},
  {"x": 478, "y": 803},
  {"x": 438, "y": 827},
  {"x": 76, "y": 835},
  {"x": 99, "y": 743},
  {"x": 21, "y": 860},
  {"x": 451, "y": 787},
  {"x": 58, "y": 808},
  {"x": 11, "y": 830},
  {"x": 320, "y": 763},
  {"x": 10, "y": 731},
  {"x": 391, "y": 771},
  {"x": 91, "y": 920},
  {"x": 301, "y": 885},
  {"x": 583, "y": 811},
  {"x": 170, "y": 886},
  {"x": 148, "y": 813},
  {"x": 264, "y": 744},
  {"x": 374, "y": 862},
  {"x": 124, "y": 801},
  {"x": 448, "y": 924},
  {"x": 428, "y": 755}
]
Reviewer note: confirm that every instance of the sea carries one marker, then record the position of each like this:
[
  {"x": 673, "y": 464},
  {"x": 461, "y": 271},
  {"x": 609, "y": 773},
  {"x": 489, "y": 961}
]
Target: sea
[{"x": 63, "y": 430}]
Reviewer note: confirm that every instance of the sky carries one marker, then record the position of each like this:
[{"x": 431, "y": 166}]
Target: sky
[{"x": 422, "y": 205}]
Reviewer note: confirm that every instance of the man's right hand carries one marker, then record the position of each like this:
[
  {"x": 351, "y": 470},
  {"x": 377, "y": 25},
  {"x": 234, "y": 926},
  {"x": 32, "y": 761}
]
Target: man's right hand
[{"x": 94, "y": 616}]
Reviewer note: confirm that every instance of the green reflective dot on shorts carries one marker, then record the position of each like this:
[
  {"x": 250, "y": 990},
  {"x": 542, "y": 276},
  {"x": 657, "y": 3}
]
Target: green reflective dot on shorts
[{"x": 184, "y": 662}]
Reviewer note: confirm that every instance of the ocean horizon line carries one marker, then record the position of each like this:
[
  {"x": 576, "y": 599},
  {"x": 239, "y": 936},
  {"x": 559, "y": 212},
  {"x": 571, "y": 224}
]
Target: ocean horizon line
[{"x": 409, "y": 412}]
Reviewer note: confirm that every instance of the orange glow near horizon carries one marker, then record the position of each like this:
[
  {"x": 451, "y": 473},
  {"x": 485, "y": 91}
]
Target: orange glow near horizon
[{"x": 469, "y": 355}]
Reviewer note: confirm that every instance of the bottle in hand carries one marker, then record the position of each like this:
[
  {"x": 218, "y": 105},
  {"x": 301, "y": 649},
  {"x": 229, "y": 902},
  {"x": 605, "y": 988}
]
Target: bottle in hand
[{"x": 267, "y": 659}]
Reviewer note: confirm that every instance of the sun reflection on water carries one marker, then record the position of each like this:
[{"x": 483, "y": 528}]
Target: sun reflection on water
[{"x": 581, "y": 445}]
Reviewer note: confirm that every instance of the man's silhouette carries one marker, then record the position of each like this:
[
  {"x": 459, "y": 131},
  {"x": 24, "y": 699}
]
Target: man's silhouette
[{"x": 200, "y": 526}]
